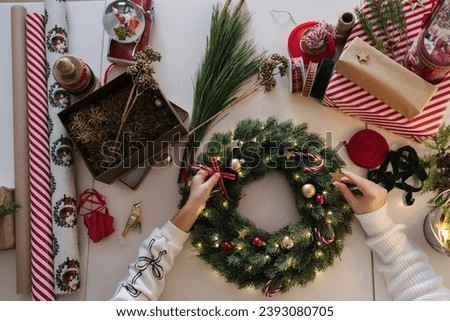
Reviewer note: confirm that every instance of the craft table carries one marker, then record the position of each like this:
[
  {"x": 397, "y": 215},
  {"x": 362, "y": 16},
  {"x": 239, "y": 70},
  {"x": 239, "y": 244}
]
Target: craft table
[{"x": 179, "y": 34}]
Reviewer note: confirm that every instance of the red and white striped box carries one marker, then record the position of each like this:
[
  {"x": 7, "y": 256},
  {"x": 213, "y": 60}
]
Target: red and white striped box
[{"x": 351, "y": 99}]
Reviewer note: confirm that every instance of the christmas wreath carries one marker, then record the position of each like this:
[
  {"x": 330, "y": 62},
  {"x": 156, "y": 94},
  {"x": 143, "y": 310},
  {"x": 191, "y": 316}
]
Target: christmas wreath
[{"x": 232, "y": 244}]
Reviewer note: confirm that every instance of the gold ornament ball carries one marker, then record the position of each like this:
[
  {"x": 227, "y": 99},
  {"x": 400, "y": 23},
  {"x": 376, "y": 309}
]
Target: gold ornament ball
[
  {"x": 158, "y": 103},
  {"x": 236, "y": 164},
  {"x": 308, "y": 190},
  {"x": 287, "y": 243}
]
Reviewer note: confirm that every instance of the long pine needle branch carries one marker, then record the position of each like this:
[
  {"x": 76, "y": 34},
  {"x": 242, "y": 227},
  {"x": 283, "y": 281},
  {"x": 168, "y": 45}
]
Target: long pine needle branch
[{"x": 228, "y": 63}]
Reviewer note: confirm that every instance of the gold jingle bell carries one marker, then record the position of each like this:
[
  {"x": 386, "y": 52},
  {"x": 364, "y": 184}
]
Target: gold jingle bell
[{"x": 308, "y": 190}]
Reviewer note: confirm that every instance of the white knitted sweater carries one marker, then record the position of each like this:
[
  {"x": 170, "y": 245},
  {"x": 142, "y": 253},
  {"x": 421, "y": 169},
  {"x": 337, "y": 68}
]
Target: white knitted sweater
[
  {"x": 145, "y": 279},
  {"x": 405, "y": 267}
]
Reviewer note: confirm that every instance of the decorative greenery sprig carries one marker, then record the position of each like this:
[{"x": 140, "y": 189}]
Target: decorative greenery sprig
[
  {"x": 437, "y": 164},
  {"x": 142, "y": 76},
  {"x": 228, "y": 63},
  {"x": 270, "y": 67},
  {"x": 9, "y": 208},
  {"x": 388, "y": 26}
]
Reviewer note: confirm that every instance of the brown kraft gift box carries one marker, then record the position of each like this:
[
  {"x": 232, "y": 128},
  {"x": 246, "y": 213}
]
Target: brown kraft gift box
[
  {"x": 147, "y": 153},
  {"x": 7, "y": 235},
  {"x": 384, "y": 78}
]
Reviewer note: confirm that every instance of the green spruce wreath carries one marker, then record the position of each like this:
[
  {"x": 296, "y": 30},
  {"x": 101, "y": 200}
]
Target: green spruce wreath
[{"x": 232, "y": 244}]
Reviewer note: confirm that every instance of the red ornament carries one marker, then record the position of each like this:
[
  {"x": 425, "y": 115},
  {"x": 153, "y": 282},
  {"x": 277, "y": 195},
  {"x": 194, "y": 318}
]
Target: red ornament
[
  {"x": 226, "y": 246},
  {"x": 258, "y": 242},
  {"x": 320, "y": 199}
]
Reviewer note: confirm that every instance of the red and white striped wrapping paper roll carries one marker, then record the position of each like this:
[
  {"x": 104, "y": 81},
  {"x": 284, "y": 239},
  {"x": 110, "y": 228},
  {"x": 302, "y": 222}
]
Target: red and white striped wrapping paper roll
[
  {"x": 351, "y": 99},
  {"x": 42, "y": 270}
]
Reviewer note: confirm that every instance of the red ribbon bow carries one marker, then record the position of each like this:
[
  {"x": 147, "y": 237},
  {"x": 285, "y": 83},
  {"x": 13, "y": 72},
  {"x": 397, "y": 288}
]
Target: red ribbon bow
[
  {"x": 95, "y": 215},
  {"x": 216, "y": 169}
]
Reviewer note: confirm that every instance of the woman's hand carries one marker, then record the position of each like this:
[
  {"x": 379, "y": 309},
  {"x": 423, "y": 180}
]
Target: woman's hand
[
  {"x": 371, "y": 197},
  {"x": 201, "y": 187}
]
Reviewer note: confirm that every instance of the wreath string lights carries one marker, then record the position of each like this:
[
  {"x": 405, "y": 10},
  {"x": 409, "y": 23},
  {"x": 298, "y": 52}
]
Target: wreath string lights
[{"x": 232, "y": 244}]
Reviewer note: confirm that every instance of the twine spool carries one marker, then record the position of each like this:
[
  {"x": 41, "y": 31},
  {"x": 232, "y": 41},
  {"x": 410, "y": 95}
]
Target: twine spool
[
  {"x": 312, "y": 51},
  {"x": 344, "y": 26},
  {"x": 74, "y": 75}
]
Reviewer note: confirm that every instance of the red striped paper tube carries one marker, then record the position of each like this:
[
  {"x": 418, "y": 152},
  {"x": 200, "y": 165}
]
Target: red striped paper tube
[{"x": 42, "y": 273}]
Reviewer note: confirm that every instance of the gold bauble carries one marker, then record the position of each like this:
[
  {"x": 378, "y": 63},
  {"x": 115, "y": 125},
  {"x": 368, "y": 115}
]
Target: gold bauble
[
  {"x": 236, "y": 165},
  {"x": 308, "y": 190},
  {"x": 287, "y": 243},
  {"x": 158, "y": 103}
]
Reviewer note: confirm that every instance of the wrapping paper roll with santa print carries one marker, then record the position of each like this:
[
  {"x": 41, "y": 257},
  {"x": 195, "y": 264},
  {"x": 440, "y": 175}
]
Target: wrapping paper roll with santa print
[
  {"x": 62, "y": 171},
  {"x": 429, "y": 56}
]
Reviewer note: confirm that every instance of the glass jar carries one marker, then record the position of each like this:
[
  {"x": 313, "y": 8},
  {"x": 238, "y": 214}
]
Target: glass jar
[{"x": 436, "y": 226}]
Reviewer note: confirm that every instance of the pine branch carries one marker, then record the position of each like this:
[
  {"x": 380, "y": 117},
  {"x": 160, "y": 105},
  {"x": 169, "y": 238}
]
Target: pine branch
[
  {"x": 228, "y": 63},
  {"x": 387, "y": 28},
  {"x": 9, "y": 208},
  {"x": 437, "y": 163}
]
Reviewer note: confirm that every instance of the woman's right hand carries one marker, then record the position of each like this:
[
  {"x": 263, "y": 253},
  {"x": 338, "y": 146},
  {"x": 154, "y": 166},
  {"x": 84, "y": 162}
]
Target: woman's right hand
[{"x": 371, "y": 197}]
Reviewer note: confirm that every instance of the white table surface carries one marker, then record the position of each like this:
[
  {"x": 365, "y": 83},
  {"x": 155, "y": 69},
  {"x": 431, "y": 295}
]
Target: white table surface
[{"x": 179, "y": 34}]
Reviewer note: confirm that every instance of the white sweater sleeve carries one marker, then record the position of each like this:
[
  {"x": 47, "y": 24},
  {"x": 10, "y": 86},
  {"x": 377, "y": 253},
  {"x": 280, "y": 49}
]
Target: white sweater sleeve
[
  {"x": 145, "y": 279},
  {"x": 405, "y": 267}
]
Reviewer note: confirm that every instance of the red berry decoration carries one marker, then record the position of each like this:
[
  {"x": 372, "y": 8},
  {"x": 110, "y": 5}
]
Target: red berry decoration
[
  {"x": 226, "y": 246},
  {"x": 320, "y": 199},
  {"x": 258, "y": 242}
]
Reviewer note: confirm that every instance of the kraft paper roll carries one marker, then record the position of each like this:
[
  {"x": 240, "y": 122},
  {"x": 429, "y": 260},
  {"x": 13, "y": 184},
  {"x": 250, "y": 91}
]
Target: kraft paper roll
[{"x": 21, "y": 158}]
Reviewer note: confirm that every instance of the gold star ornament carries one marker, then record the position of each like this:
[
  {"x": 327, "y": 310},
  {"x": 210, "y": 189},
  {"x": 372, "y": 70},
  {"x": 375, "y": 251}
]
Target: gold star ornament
[
  {"x": 336, "y": 176},
  {"x": 414, "y": 4},
  {"x": 243, "y": 233},
  {"x": 288, "y": 153}
]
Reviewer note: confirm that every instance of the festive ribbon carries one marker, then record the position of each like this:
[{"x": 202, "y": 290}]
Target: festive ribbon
[
  {"x": 296, "y": 74},
  {"x": 322, "y": 79},
  {"x": 66, "y": 254},
  {"x": 92, "y": 206},
  {"x": 216, "y": 169},
  {"x": 312, "y": 169},
  {"x": 405, "y": 164},
  {"x": 42, "y": 278},
  {"x": 309, "y": 78},
  {"x": 322, "y": 238}
]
